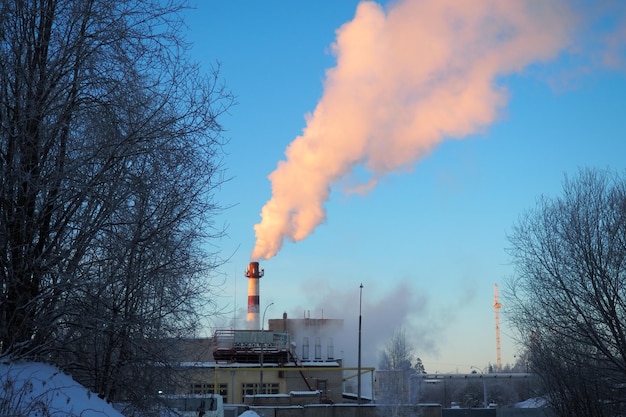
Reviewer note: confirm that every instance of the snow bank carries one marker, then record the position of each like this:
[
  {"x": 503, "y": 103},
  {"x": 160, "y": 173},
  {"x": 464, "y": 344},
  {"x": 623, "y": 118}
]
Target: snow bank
[
  {"x": 37, "y": 389},
  {"x": 532, "y": 403},
  {"x": 249, "y": 413}
]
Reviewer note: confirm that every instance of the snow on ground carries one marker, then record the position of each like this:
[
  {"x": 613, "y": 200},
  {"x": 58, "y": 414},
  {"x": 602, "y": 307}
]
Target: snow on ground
[
  {"x": 37, "y": 389},
  {"x": 249, "y": 413},
  {"x": 532, "y": 403}
]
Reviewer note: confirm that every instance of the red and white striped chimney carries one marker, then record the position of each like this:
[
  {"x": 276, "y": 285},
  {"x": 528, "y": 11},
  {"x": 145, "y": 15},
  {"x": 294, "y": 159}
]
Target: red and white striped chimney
[{"x": 254, "y": 274}]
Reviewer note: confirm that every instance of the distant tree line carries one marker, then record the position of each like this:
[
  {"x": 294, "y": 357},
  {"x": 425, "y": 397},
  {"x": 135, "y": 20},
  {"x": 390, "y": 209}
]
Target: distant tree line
[
  {"x": 110, "y": 158},
  {"x": 400, "y": 381}
]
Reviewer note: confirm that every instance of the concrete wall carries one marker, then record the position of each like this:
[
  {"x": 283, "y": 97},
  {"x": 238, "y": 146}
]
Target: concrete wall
[
  {"x": 497, "y": 412},
  {"x": 525, "y": 412},
  {"x": 371, "y": 410},
  {"x": 335, "y": 410},
  {"x": 469, "y": 412}
]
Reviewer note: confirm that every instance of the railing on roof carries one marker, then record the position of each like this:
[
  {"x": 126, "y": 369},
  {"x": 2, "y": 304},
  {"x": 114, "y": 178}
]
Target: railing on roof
[{"x": 246, "y": 345}]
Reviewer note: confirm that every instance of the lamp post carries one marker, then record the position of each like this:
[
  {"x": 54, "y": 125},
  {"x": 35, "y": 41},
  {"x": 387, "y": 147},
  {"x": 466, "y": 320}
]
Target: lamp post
[
  {"x": 358, "y": 394},
  {"x": 260, "y": 390},
  {"x": 482, "y": 376},
  {"x": 265, "y": 311}
]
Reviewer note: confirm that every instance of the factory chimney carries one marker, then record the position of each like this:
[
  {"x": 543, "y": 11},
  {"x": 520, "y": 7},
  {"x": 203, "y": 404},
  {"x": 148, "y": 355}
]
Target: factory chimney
[{"x": 253, "y": 273}]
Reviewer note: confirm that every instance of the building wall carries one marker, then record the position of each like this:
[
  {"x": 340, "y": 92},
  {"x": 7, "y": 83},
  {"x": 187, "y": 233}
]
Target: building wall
[
  {"x": 198, "y": 372},
  {"x": 234, "y": 383},
  {"x": 340, "y": 410}
]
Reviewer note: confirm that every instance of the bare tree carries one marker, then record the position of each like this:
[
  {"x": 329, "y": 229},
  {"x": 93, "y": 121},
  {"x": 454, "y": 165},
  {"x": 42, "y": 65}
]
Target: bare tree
[
  {"x": 147, "y": 283},
  {"x": 568, "y": 297},
  {"x": 110, "y": 158},
  {"x": 398, "y": 364}
]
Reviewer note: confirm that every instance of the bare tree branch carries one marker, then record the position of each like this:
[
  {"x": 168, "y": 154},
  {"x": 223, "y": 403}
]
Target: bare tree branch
[
  {"x": 568, "y": 297},
  {"x": 110, "y": 156}
]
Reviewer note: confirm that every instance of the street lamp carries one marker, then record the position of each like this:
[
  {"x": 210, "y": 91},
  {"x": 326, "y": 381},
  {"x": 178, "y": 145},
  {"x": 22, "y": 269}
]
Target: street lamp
[
  {"x": 265, "y": 311},
  {"x": 358, "y": 395},
  {"x": 481, "y": 372},
  {"x": 262, "y": 348}
]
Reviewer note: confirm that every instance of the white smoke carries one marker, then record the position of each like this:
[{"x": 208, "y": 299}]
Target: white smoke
[{"x": 406, "y": 79}]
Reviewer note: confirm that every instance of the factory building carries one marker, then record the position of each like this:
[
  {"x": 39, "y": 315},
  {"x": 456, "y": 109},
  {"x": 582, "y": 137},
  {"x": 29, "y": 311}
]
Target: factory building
[
  {"x": 294, "y": 362},
  {"x": 257, "y": 367}
]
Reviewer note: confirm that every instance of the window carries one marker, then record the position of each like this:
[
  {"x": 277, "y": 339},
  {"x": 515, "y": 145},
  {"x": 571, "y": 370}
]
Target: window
[
  {"x": 205, "y": 388},
  {"x": 248, "y": 389},
  {"x": 201, "y": 388},
  {"x": 251, "y": 389},
  {"x": 271, "y": 388}
]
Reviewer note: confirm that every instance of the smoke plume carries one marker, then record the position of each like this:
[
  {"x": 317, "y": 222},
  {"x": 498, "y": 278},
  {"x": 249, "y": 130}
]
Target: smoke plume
[{"x": 406, "y": 79}]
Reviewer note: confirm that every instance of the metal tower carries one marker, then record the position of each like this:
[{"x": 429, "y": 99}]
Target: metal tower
[{"x": 496, "y": 308}]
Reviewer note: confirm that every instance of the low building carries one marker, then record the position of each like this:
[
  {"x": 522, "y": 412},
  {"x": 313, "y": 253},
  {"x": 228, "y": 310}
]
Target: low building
[
  {"x": 198, "y": 372},
  {"x": 266, "y": 366}
]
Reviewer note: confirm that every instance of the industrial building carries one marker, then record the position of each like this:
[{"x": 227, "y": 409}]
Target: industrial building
[
  {"x": 293, "y": 362},
  {"x": 257, "y": 367},
  {"x": 296, "y": 362}
]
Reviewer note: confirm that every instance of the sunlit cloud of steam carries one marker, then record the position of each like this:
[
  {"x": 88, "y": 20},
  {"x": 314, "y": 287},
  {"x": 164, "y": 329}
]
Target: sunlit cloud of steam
[{"x": 406, "y": 79}]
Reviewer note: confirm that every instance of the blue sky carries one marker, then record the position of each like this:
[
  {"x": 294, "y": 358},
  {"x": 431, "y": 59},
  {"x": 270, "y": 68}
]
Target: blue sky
[{"x": 428, "y": 242}]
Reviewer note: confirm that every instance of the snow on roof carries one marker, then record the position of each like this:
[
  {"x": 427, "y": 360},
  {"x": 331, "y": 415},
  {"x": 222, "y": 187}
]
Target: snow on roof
[
  {"x": 303, "y": 393},
  {"x": 266, "y": 396},
  {"x": 532, "y": 403},
  {"x": 249, "y": 413},
  {"x": 331, "y": 364},
  {"x": 318, "y": 363}
]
